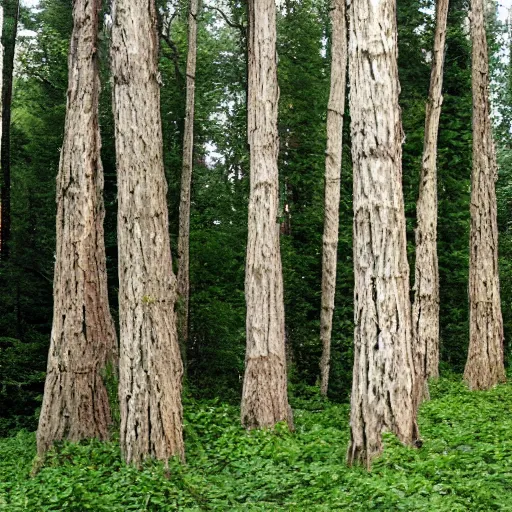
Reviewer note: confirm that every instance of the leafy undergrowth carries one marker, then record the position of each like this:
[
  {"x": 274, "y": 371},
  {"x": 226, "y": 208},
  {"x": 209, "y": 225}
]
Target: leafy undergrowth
[{"x": 465, "y": 464}]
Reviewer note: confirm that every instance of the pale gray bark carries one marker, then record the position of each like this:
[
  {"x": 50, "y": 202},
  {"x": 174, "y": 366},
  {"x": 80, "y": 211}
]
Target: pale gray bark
[
  {"x": 383, "y": 375},
  {"x": 484, "y": 366},
  {"x": 186, "y": 181},
  {"x": 150, "y": 367},
  {"x": 425, "y": 311},
  {"x": 333, "y": 154},
  {"x": 264, "y": 397},
  {"x": 83, "y": 340}
]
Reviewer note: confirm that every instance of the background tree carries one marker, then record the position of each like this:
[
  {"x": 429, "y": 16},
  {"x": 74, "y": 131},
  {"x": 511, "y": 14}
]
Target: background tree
[
  {"x": 264, "y": 396},
  {"x": 150, "y": 367},
  {"x": 83, "y": 341},
  {"x": 303, "y": 31},
  {"x": 454, "y": 174},
  {"x": 501, "y": 91},
  {"x": 485, "y": 365},
  {"x": 383, "y": 378},
  {"x": 38, "y": 114},
  {"x": 9, "y": 35},
  {"x": 425, "y": 311},
  {"x": 186, "y": 182},
  {"x": 335, "y": 111}
]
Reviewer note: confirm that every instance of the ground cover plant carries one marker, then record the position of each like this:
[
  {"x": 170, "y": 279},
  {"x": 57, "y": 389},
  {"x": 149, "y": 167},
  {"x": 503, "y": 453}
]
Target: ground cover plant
[{"x": 465, "y": 463}]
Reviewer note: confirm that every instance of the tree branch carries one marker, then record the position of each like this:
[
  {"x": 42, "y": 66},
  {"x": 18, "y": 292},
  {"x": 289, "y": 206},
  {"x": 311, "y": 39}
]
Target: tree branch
[{"x": 226, "y": 19}]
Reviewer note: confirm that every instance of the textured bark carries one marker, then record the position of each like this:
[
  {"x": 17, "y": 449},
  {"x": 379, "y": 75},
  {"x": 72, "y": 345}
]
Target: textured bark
[
  {"x": 186, "y": 181},
  {"x": 425, "y": 311},
  {"x": 383, "y": 377},
  {"x": 264, "y": 397},
  {"x": 9, "y": 43},
  {"x": 83, "y": 340},
  {"x": 333, "y": 154},
  {"x": 484, "y": 366},
  {"x": 150, "y": 367}
]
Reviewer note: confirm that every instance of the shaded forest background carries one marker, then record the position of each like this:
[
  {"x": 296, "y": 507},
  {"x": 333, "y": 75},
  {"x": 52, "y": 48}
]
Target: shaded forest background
[{"x": 221, "y": 184}]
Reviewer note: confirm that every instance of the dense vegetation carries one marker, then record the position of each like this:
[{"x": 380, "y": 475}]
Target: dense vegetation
[
  {"x": 464, "y": 464},
  {"x": 465, "y": 461}
]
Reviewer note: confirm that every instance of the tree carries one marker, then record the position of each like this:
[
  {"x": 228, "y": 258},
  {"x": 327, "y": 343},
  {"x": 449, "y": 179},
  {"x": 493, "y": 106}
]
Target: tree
[
  {"x": 264, "y": 395},
  {"x": 383, "y": 376},
  {"x": 186, "y": 181},
  {"x": 425, "y": 311},
  {"x": 9, "y": 34},
  {"x": 484, "y": 366},
  {"x": 304, "y": 73},
  {"x": 150, "y": 367},
  {"x": 333, "y": 154},
  {"x": 83, "y": 341}
]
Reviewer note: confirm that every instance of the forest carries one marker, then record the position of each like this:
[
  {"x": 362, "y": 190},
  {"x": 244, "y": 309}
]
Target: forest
[{"x": 255, "y": 255}]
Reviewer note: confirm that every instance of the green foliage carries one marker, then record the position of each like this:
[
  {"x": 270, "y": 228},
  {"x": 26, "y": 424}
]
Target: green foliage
[
  {"x": 454, "y": 172},
  {"x": 26, "y": 279},
  {"x": 465, "y": 464},
  {"x": 21, "y": 381}
]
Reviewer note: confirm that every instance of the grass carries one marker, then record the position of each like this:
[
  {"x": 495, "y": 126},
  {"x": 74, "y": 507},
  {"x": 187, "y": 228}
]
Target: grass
[{"x": 465, "y": 464}]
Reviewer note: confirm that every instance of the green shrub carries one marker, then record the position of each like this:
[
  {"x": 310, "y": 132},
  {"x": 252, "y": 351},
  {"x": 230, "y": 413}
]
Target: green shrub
[{"x": 465, "y": 464}]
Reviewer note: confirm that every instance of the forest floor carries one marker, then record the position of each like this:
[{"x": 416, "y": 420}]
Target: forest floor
[{"x": 465, "y": 464}]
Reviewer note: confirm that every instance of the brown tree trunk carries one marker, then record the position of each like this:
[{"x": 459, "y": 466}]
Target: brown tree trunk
[
  {"x": 425, "y": 311},
  {"x": 335, "y": 110},
  {"x": 484, "y": 366},
  {"x": 83, "y": 341},
  {"x": 383, "y": 377},
  {"x": 264, "y": 397},
  {"x": 150, "y": 367},
  {"x": 186, "y": 181},
  {"x": 9, "y": 43}
]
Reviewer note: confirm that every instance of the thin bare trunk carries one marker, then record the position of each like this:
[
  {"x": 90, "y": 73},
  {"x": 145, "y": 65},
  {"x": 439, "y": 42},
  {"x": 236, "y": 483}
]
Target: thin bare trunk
[
  {"x": 333, "y": 154},
  {"x": 383, "y": 376},
  {"x": 484, "y": 366},
  {"x": 186, "y": 181},
  {"x": 425, "y": 311},
  {"x": 150, "y": 367},
  {"x": 83, "y": 341},
  {"x": 264, "y": 398}
]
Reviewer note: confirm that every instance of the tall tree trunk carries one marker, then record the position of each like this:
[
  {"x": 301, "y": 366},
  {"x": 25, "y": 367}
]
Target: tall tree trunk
[
  {"x": 186, "y": 181},
  {"x": 425, "y": 311},
  {"x": 383, "y": 377},
  {"x": 9, "y": 44},
  {"x": 484, "y": 366},
  {"x": 83, "y": 341},
  {"x": 335, "y": 110},
  {"x": 264, "y": 397},
  {"x": 150, "y": 367}
]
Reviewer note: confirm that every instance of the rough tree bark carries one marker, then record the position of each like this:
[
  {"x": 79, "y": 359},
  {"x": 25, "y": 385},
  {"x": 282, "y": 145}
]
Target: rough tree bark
[
  {"x": 333, "y": 155},
  {"x": 264, "y": 396},
  {"x": 83, "y": 340},
  {"x": 425, "y": 310},
  {"x": 484, "y": 366},
  {"x": 186, "y": 181},
  {"x": 9, "y": 44},
  {"x": 150, "y": 366},
  {"x": 383, "y": 376}
]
